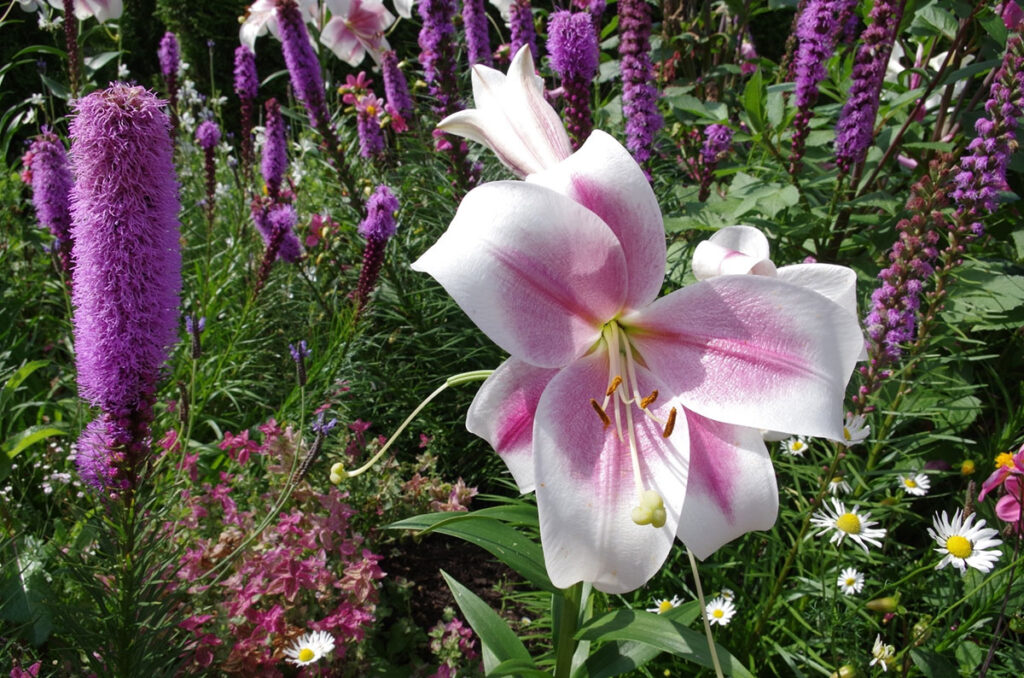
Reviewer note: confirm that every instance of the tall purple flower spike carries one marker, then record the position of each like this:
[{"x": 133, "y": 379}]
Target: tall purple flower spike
[
  {"x": 639, "y": 95},
  {"x": 523, "y": 32},
  {"x": 208, "y": 136},
  {"x": 378, "y": 227},
  {"x": 396, "y": 88},
  {"x": 478, "y": 40},
  {"x": 127, "y": 277},
  {"x": 572, "y": 44},
  {"x": 817, "y": 31},
  {"x": 371, "y": 139},
  {"x": 47, "y": 165},
  {"x": 717, "y": 141},
  {"x": 247, "y": 85},
  {"x": 855, "y": 130},
  {"x": 275, "y": 151},
  {"x": 169, "y": 56}
]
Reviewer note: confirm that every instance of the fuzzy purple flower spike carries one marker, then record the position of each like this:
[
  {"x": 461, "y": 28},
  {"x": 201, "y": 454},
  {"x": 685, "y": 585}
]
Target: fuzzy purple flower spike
[
  {"x": 817, "y": 31},
  {"x": 378, "y": 227},
  {"x": 572, "y": 44},
  {"x": 275, "y": 151},
  {"x": 396, "y": 88},
  {"x": 717, "y": 141},
  {"x": 478, "y": 40},
  {"x": 127, "y": 256},
  {"x": 371, "y": 139},
  {"x": 169, "y": 55},
  {"x": 520, "y": 23},
  {"x": 208, "y": 136},
  {"x": 47, "y": 168},
  {"x": 247, "y": 85},
  {"x": 639, "y": 95}
]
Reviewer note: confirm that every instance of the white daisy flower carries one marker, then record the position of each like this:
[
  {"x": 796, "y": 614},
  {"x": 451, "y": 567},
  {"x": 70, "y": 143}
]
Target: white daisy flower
[
  {"x": 310, "y": 648},
  {"x": 838, "y": 485},
  {"x": 728, "y": 594},
  {"x": 843, "y": 523},
  {"x": 965, "y": 544},
  {"x": 795, "y": 446},
  {"x": 882, "y": 654},
  {"x": 850, "y": 581},
  {"x": 663, "y": 605},
  {"x": 916, "y": 484},
  {"x": 854, "y": 429},
  {"x": 720, "y": 611}
]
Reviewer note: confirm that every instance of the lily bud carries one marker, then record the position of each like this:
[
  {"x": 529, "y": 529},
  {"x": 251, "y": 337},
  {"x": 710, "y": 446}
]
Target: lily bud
[{"x": 887, "y": 604}]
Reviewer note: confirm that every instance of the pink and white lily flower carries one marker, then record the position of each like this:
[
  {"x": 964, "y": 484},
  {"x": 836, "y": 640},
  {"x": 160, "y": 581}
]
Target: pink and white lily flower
[
  {"x": 101, "y": 9},
  {"x": 357, "y": 27},
  {"x": 634, "y": 418},
  {"x": 261, "y": 16},
  {"x": 512, "y": 117}
]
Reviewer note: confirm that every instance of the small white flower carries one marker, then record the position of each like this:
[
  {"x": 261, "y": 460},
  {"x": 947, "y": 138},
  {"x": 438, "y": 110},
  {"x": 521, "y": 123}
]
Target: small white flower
[
  {"x": 843, "y": 523},
  {"x": 964, "y": 544},
  {"x": 310, "y": 648},
  {"x": 122, "y": 71},
  {"x": 854, "y": 429},
  {"x": 916, "y": 484},
  {"x": 36, "y": 99},
  {"x": 838, "y": 485},
  {"x": 795, "y": 446},
  {"x": 882, "y": 654},
  {"x": 728, "y": 594},
  {"x": 663, "y": 605},
  {"x": 720, "y": 611},
  {"x": 850, "y": 581}
]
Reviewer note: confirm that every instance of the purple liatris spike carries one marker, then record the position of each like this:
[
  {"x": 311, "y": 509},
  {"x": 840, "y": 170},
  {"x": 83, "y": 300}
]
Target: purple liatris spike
[
  {"x": 275, "y": 150},
  {"x": 437, "y": 56},
  {"x": 276, "y": 223},
  {"x": 378, "y": 227},
  {"x": 520, "y": 23},
  {"x": 855, "y": 130},
  {"x": 368, "y": 112},
  {"x": 981, "y": 172},
  {"x": 247, "y": 88},
  {"x": 127, "y": 276},
  {"x": 478, "y": 40},
  {"x": 47, "y": 165},
  {"x": 95, "y": 456},
  {"x": 817, "y": 31},
  {"x": 396, "y": 88},
  {"x": 208, "y": 136},
  {"x": 169, "y": 56},
  {"x": 639, "y": 95},
  {"x": 572, "y": 44},
  {"x": 71, "y": 44},
  {"x": 717, "y": 140},
  {"x": 303, "y": 66}
]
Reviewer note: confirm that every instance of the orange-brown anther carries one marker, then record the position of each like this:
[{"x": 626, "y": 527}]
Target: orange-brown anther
[
  {"x": 649, "y": 399},
  {"x": 670, "y": 424},
  {"x": 614, "y": 385},
  {"x": 601, "y": 413}
]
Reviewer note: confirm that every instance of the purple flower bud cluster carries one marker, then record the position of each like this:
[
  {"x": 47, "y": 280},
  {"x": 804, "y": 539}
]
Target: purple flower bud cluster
[
  {"x": 478, "y": 40},
  {"x": 521, "y": 28},
  {"x": 247, "y": 84},
  {"x": 817, "y": 30},
  {"x": 194, "y": 329},
  {"x": 299, "y": 355},
  {"x": 303, "y": 66},
  {"x": 981, "y": 173},
  {"x": 96, "y": 459},
  {"x": 47, "y": 166},
  {"x": 127, "y": 276},
  {"x": 639, "y": 95},
  {"x": 371, "y": 139},
  {"x": 275, "y": 150},
  {"x": 276, "y": 224},
  {"x": 437, "y": 55},
  {"x": 572, "y": 44},
  {"x": 396, "y": 89},
  {"x": 208, "y": 136},
  {"x": 717, "y": 142},
  {"x": 169, "y": 56},
  {"x": 71, "y": 44},
  {"x": 855, "y": 130},
  {"x": 378, "y": 227}
]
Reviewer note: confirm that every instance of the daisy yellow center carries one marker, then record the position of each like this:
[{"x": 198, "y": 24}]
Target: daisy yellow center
[
  {"x": 718, "y": 614},
  {"x": 305, "y": 654},
  {"x": 798, "y": 445},
  {"x": 958, "y": 546},
  {"x": 849, "y": 523},
  {"x": 664, "y": 606},
  {"x": 850, "y": 581},
  {"x": 846, "y": 433},
  {"x": 910, "y": 482},
  {"x": 1004, "y": 460}
]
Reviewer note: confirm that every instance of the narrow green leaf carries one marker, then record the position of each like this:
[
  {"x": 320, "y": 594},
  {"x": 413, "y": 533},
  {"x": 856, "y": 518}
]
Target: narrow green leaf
[
  {"x": 499, "y": 643},
  {"x": 932, "y": 664},
  {"x": 753, "y": 101},
  {"x": 23, "y": 373},
  {"x": 616, "y": 659},
  {"x": 517, "y": 667},
  {"x": 14, "y": 445},
  {"x": 662, "y": 633}
]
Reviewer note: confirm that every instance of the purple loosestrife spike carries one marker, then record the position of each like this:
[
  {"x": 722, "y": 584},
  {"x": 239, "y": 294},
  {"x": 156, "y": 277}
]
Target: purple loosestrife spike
[
  {"x": 47, "y": 165},
  {"x": 855, "y": 130},
  {"x": 639, "y": 95},
  {"x": 478, "y": 40},
  {"x": 396, "y": 88},
  {"x": 572, "y": 44},
  {"x": 520, "y": 23},
  {"x": 717, "y": 141},
  {"x": 378, "y": 227},
  {"x": 275, "y": 150},
  {"x": 817, "y": 30},
  {"x": 981, "y": 173},
  {"x": 247, "y": 85}
]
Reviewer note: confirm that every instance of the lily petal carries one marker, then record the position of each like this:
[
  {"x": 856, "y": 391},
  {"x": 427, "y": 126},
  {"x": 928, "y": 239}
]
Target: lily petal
[
  {"x": 512, "y": 117},
  {"x": 586, "y": 488},
  {"x": 837, "y": 283},
  {"x": 731, "y": 488},
  {"x": 603, "y": 177},
  {"x": 733, "y": 250},
  {"x": 502, "y": 414},
  {"x": 752, "y": 351},
  {"x": 339, "y": 38},
  {"x": 537, "y": 272}
]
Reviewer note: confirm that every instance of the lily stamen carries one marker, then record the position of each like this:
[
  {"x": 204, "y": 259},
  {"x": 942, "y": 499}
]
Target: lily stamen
[
  {"x": 601, "y": 413},
  {"x": 614, "y": 385},
  {"x": 646, "y": 402},
  {"x": 671, "y": 424}
]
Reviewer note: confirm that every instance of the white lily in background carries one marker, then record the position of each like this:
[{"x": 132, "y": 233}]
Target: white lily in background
[
  {"x": 261, "y": 16},
  {"x": 356, "y": 27},
  {"x": 512, "y": 117},
  {"x": 635, "y": 419},
  {"x": 404, "y": 8},
  {"x": 101, "y": 9}
]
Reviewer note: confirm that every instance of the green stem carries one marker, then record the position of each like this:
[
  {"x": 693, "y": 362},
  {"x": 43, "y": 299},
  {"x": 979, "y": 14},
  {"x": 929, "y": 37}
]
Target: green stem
[
  {"x": 704, "y": 615},
  {"x": 566, "y": 625}
]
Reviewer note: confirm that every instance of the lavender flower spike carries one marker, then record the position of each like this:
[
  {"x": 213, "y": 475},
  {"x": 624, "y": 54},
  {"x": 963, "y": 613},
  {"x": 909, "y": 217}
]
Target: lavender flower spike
[
  {"x": 47, "y": 167},
  {"x": 303, "y": 66},
  {"x": 474, "y": 18},
  {"x": 520, "y": 23},
  {"x": 169, "y": 56},
  {"x": 378, "y": 227},
  {"x": 247, "y": 85},
  {"x": 817, "y": 31},
  {"x": 396, "y": 88},
  {"x": 275, "y": 151},
  {"x": 208, "y": 136},
  {"x": 855, "y": 130},
  {"x": 639, "y": 95},
  {"x": 572, "y": 44},
  {"x": 717, "y": 140}
]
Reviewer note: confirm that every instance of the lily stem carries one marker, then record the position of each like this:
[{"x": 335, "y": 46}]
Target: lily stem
[
  {"x": 704, "y": 616},
  {"x": 565, "y": 631}
]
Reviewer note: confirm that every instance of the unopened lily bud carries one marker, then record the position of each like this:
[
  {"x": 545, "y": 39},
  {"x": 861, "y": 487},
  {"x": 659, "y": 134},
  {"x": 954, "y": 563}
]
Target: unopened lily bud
[
  {"x": 845, "y": 671},
  {"x": 887, "y": 604}
]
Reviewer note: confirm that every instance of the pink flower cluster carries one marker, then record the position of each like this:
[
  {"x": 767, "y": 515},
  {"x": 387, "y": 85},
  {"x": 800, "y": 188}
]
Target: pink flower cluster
[
  {"x": 454, "y": 644},
  {"x": 1009, "y": 475}
]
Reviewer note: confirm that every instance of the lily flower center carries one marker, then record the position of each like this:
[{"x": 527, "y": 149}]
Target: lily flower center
[
  {"x": 620, "y": 400},
  {"x": 958, "y": 546},
  {"x": 849, "y": 523}
]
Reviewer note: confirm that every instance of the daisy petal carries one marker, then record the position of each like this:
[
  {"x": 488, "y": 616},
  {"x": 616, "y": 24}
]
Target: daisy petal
[{"x": 586, "y": 488}]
